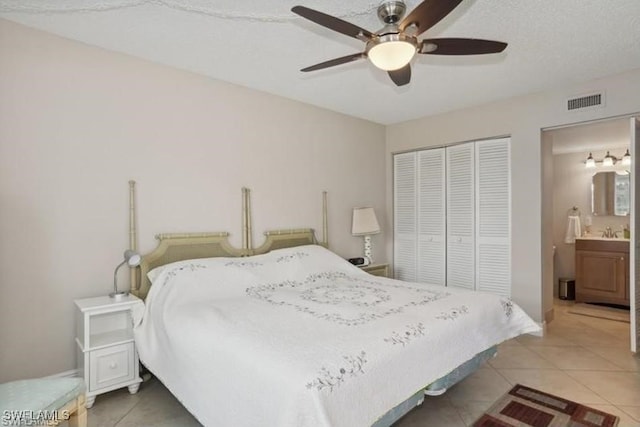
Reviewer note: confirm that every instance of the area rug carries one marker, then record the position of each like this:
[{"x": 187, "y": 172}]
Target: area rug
[
  {"x": 524, "y": 406},
  {"x": 610, "y": 313}
]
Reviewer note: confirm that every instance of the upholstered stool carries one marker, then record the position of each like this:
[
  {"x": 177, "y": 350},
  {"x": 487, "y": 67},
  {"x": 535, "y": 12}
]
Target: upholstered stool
[{"x": 43, "y": 401}]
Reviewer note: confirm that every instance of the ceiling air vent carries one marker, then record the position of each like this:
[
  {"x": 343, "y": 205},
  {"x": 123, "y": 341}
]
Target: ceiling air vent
[{"x": 584, "y": 102}]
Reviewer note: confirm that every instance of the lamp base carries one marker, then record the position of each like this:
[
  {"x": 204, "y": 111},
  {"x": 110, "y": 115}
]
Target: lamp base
[
  {"x": 118, "y": 295},
  {"x": 367, "y": 249}
]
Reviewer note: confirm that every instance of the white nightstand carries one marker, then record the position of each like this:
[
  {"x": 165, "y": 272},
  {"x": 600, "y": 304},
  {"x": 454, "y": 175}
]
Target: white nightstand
[
  {"x": 381, "y": 270},
  {"x": 107, "y": 356}
]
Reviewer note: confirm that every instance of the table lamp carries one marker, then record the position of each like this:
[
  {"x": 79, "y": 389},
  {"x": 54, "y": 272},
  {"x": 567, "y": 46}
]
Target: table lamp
[
  {"x": 365, "y": 224},
  {"x": 132, "y": 258}
]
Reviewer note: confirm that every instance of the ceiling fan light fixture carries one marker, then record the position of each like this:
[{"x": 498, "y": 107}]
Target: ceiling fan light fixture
[{"x": 391, "y": 51}]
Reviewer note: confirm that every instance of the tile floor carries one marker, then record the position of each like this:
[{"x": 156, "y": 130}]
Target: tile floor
[{"x": 580, "y": 358}]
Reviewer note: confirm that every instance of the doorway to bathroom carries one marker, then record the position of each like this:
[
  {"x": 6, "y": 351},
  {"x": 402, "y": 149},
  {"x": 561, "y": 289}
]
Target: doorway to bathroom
[{"x": 589, "y": 176}]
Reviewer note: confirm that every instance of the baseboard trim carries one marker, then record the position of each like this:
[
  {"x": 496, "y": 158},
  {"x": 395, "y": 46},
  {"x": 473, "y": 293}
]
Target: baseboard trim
[
  {"x": 549, "y": 316},
  {"x": 66, "y": 374}
]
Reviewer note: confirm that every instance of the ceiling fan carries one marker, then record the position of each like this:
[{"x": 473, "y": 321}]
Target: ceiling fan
[{"x": 393, "y": 46}]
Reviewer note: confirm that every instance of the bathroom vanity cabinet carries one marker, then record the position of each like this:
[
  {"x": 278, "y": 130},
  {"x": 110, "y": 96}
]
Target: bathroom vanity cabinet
[{"x": 602, "y": 271}]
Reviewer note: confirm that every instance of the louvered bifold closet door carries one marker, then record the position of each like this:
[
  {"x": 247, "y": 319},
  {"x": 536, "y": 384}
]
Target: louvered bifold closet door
[
  {"x": 493, "y": 225},
  {"x": 431, "y": 217},
  {"x": 460, "y": 216},
  {"x": 404, "y": 217}
]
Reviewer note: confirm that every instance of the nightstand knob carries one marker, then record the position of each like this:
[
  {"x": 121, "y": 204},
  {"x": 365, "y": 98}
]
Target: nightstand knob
[{"x": 113, "y": 365}]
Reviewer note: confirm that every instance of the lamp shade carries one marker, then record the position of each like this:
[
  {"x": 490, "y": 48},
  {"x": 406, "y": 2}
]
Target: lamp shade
[
  {"x": 391, "y": 55},
  {"x": 132, "y": 258},
  {"x": 590, "y": 163},
  {"x": 364, "y": 222},
  {"x": 608, "y": 160}
]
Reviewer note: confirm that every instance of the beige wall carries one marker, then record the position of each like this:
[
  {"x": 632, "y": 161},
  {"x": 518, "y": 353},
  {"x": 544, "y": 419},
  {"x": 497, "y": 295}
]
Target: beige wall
[
  {"x": 572, "y": 187},
  {"x": 77, "y": 122},
  {"x": 522, "y": 118}
]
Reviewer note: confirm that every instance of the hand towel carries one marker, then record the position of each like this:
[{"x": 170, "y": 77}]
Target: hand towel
[{"x": 573, "y": 229}]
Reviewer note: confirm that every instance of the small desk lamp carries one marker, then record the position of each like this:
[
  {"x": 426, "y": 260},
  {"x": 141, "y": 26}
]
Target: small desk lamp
[
  {"x": 132, "y": 258},
  {"x": 365, "y": 224}
]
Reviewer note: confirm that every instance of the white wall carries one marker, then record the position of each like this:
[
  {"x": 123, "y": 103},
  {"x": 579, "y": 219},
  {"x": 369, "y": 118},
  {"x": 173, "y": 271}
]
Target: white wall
[
  {"x": 522, "y": 118},
  {"x": 77, "y": 122}
]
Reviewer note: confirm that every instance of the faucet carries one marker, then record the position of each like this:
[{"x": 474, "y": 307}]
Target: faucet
[{"x": 609, "y": 233}]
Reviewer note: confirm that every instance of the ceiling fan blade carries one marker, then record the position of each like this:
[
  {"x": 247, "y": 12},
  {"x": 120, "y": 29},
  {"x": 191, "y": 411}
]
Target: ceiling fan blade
[
  {"x": 336, "y": 61},
  {"x": 428, "y": 13},
  {"x": 451, "y": 46},
  {"x": 401, "y": 76},
  {"x": 333, "y": 23}
]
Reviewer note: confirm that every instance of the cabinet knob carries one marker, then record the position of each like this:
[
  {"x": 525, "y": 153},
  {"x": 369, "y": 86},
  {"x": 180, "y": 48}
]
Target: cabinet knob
[{"x": 113, "y": 365}]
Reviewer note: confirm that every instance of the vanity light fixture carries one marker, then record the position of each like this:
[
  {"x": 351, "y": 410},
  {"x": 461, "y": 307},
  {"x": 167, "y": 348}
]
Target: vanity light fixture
[
  {"x": 590, "y": 163},
  {"x": 608, "y": 160}
]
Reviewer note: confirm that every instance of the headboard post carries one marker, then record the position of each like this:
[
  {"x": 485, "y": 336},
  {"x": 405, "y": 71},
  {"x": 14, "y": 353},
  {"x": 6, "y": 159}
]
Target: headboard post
[
  {"x": 249, "y": 228},
  {"x": 247, "y": 242},
  {"x": 325, "y": 224},
  {"x": 245, "y": 237},
  {"x": 133, "y": 235}
]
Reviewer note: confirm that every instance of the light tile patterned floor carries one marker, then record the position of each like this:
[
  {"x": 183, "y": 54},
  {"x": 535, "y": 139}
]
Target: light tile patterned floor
[{"x": 580, "y": 358}]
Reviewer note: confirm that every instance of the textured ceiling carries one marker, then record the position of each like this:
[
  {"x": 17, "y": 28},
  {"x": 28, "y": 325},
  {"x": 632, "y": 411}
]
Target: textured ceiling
[{"x": 262, "y": 45}]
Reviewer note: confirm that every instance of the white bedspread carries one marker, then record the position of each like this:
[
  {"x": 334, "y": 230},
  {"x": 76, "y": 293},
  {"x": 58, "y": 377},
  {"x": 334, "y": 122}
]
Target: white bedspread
[{"x": 299, "y": 337}]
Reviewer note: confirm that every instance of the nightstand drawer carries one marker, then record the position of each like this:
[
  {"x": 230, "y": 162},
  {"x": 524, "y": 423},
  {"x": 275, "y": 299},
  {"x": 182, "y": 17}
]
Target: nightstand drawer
[
  {"x": 381, "y": 270},
  {"x": 110, "y": 366}
]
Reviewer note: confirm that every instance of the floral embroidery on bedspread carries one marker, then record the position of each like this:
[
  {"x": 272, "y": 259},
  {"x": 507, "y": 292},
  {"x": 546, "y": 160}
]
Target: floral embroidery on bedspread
[
  {"x": 343, "y": 299},
  {"x": 174, "y": 271},
  {"x": 291, "y": 257},
  {"x": 352, "y": 368},
  {"x": 507, "y": 306},
  {"x": 454, "y": 313},
  {"x": 249, "y": 264},
  {"x": 413, "y": 331}
]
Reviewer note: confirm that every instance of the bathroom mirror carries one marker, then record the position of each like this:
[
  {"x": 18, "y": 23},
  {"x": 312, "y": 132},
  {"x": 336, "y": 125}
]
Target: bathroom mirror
[{"x": 610, "y": 194}]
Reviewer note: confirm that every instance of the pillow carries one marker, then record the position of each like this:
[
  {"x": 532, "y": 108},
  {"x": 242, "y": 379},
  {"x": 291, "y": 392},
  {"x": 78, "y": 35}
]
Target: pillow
[{"x": 153, "y": 274}]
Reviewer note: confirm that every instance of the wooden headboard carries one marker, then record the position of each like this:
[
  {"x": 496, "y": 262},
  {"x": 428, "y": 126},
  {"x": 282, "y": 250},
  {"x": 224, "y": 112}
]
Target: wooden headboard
[{"x": 183, "y": 246}]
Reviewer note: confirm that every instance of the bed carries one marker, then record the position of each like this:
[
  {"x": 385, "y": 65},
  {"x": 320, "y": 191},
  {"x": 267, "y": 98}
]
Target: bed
[{"x": 290, "y": 334}]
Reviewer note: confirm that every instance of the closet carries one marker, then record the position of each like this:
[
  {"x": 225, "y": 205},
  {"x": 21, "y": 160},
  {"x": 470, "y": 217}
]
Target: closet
[{"x": 452, "y": 216}]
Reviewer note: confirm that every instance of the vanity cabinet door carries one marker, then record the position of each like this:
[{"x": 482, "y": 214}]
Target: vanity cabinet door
[{"x": 602, "y": 277}]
